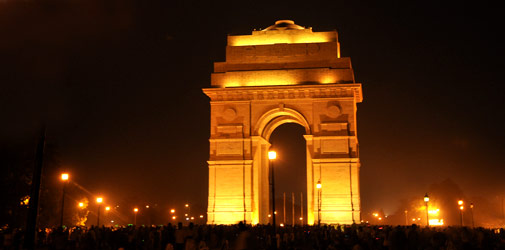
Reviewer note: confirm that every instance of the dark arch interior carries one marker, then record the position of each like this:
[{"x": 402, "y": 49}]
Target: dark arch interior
[{"x": 290, "y": 171}]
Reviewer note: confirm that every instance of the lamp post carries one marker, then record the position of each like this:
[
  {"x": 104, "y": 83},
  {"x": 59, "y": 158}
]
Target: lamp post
[
  {"x": 461, "y": 207},
  {"x": 426, "y": 200},
  {"x": 272, "y": 155},
  {"x": 406, "y": 220},
  {"x": 99, "y": 200},
  {"x": 135, "y": 211},
  {"x": 64, "y": 178},
  {"x": 318, "y": 186},
  {"x": 471, "y": 213}
]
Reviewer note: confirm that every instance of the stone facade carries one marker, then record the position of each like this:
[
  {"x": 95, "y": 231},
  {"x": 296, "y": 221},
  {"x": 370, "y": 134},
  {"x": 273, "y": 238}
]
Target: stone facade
[{"x": 283, "y": 74}]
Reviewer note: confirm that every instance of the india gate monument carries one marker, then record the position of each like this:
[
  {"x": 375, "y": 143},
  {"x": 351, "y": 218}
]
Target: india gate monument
[{"x": 285, "y": 73}]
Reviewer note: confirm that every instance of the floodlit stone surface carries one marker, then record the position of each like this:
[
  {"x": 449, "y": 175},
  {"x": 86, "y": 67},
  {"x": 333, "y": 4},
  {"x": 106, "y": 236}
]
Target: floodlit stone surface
[{"x": 283, "y": 74}]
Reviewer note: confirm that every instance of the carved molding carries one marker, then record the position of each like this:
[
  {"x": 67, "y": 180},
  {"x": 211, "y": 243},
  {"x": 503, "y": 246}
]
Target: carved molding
[{"x": 285, "y": 92}]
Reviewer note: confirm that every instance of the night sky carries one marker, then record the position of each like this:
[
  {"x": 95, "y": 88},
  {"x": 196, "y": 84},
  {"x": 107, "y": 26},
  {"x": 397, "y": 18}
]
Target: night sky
[{"x": 118, "y": 84}]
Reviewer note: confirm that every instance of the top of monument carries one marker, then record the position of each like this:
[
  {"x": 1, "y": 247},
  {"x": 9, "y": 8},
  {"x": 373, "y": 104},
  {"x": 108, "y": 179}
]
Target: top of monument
[{"x": 285, "y": 25}]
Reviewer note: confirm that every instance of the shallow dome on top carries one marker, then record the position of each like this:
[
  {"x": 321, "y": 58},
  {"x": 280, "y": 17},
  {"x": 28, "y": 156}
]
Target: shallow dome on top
[{"x": 285, "y": 25}]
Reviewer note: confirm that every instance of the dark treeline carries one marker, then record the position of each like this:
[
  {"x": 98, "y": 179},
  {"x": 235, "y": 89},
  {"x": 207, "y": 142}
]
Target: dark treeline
[{"x": 356, "y": 237}]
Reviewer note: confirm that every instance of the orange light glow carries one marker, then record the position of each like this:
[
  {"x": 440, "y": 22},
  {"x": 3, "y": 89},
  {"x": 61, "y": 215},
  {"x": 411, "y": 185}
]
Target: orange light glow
[
  {"x": 107, "y": 208},
  {"x": 201, "y": 216},
  {"x": 135, "y": 210},
  {"x": 187, "y": 205},
  {"x": 264, "y": 38},
  {"x": 173, "y": 217},
  {"x": 436, "y": 222},
  {"x": 172, "y": 210},
  {"x": 434, "y": 211},
  {"x": 81, "y": 204},
  {"x": 272, "y": 155},
  {"x": 461, "y": 207},
  {"x": 301, "y": 218},
  {"x": 99, "y": 200},
  {"x": 64, "y": 177},
  {"x": 282, "y": 225},
  {"x": 380, "y": 218}
]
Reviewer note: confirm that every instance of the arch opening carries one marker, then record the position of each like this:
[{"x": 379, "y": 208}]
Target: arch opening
[{"x": 290, "y": 173}]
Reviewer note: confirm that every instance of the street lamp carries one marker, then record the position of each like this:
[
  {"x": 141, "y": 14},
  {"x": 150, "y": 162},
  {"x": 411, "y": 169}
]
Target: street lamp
[
  {"x": 426, "y": 200},
  {"x": 406, "y": 220},
  {"x": 272, "y": 155},
  {"x": 81, "y": 204},
  {"x": 99, "y": 200},
  {"x": 64, "y": 178},
  {"x": 461, "y": 207},
  {"x": 471, "y": 213},
  {"x": 135, "y": 211},
  {"x": 318, "y": 186}
]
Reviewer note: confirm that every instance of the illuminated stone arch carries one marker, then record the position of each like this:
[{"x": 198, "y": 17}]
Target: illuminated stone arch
[
  {"x": 276, "y": 117},
  {"x": 283, "y": 74}
]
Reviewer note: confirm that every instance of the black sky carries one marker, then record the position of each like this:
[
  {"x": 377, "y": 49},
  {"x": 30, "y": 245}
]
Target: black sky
[{"x": 119, "y": 85}]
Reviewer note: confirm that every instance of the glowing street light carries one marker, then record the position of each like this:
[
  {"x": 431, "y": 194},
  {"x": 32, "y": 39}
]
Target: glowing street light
[
  {"x": 107, "y": 208},
  {"x": 81, "y": 204},
  {"x": 99, "y": 200},
  {"x": 319, "y": 186},
  {"x": 426, "y": 200},
  {"x": 64, "y": 178},
  {"x": 471, "y": 213},
  {"x": 461, "y": 207},
  {"x": 272, "y": 155},
  {"x": 172, "y": 211},
  {"x": 406, "y": 220},
  {"x": 135, "y": 211}
]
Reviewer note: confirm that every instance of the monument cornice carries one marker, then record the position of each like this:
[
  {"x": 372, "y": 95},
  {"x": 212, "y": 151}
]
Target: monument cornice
[{"x": 352, "y": 90}]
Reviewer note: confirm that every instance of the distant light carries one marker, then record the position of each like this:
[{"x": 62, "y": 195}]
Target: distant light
[
  {"x": 201, "y": 215},
  {"x": 269, "y": 215},
  {"x": 173, "y": 217},
  {"x": 301, "y": 218},
  {"x": 81, "y": 204},
  {"x": 460, "y": 202},
  {"x": 376, "y": 214},
  {"x": 461, "y": 207},
  {"x": 172, "y": 210},
  {"x": 111, "y": 221},
  {"x": 272, "y": 155},
  {"x": 186, "y": 215},
  {"x": 99, "y": 199},
  {"x": 187, "y": 205},
  {"x": 426, "y": 198},
  {"x": 187, "y": 218},
  {"x": 318, "y": 185},
  {"x": 64, "y": 177},
  {"x": 471, "y": 205},
  {"x": 192, "y": 218},
  {"x": 282, "y": 224},
  {"x": 107, "y": 208},
  {"x": 380, "y": 218},
  {"x": 275, "y": 212},
  {"x": 135, "y": 210},
  {"x": 147, "y": 206}
]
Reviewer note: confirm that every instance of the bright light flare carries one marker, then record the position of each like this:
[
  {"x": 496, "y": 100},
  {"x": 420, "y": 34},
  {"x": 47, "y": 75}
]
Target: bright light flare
[
  {"x": 64, "y": 177},
  {"x": 107, "y": 208},
  {"x": 436, "y": 222},
  {"x": 135, "y": 210},
  {"x": 99, "y": 200},
  {"x": 461, "y": 207},
  {"x": 318, "y": 185},
  {"x": 172, "y": 210},
  {"x": 434, "y": 211},
  {"x": 460, "y": 202},
  {"x": 81, "y": 204},
  {"x": 272, "y": 155}
]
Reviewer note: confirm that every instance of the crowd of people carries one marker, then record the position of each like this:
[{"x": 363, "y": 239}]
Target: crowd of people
[{"x": 241, "y": 236}]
